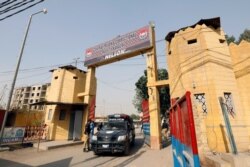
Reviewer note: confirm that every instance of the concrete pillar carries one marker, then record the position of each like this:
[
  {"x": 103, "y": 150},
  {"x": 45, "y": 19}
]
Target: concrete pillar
[
  {"x": 89, "y": 93},
  {"x": 154, "y": 105}
]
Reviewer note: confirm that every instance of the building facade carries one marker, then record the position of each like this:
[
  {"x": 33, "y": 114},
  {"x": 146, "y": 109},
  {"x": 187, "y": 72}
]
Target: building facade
[
  {"x": 200, "y": 61},
  {"x": 64, "y": 111},
  {"x": 24, "y": 96}
]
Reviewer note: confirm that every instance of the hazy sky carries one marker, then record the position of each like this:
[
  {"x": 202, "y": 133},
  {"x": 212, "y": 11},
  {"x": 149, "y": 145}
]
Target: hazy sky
[{"x": 71, "y": 26}]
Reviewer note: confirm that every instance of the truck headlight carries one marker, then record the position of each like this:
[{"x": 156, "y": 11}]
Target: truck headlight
[
  {"x": 122, "y": 138},
  {"x": 94, "y": 138}
]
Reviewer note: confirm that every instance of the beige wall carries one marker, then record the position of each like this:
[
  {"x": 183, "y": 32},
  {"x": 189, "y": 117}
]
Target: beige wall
[
  {"x": 58, "y": 129},
  {"x": 241, "y": 65},
  {"x": 63, "y": 89},
  {"x": 206, "y": 67},
  {"x": 29, "y": 118}
]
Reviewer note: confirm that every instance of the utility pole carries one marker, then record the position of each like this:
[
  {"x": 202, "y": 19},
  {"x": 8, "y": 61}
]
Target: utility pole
[
  {"x": 76, "y": 60},
  {"x": 15, "y": 75}
]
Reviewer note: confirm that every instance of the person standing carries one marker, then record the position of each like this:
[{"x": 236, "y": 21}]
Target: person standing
[
  {"x": 86, "y": 136},
  {"x": 164, "y": 128},
  {"x": 92, "y": 127}
]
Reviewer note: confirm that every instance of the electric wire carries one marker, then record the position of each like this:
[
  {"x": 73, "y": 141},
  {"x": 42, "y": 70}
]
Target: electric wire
[
  {"x": 3, "y": 4},
  {"x": 37, "y": 68},
  {"x": 15, "y": 6},
  {"x": 107, "y": 84},
  {"x": 19, "y": 11}
]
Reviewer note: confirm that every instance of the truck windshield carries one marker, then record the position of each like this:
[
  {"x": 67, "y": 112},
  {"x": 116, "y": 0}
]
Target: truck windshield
[{"x": 114, "y": 126}]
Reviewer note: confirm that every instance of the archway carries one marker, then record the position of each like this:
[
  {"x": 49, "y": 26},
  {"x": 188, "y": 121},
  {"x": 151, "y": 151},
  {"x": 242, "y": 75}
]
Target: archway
[{"x": 141, "y": 41}]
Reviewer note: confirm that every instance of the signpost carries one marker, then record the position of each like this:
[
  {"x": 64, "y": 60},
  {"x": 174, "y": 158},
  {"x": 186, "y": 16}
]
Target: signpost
[
  {"x": 13, "y": 134},
  {"x": 121, "y": 47}
]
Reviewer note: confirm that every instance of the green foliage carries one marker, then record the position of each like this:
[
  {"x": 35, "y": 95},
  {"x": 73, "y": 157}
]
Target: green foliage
[
  {"x": 135, "y": 117},
  {"x": 142, "y": 91},
  {"x": 245, "y": 36},
  {"x": 230, "y": 39}
]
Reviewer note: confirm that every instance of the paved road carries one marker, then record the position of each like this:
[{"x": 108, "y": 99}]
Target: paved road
[{"x": 140, "y": 156}]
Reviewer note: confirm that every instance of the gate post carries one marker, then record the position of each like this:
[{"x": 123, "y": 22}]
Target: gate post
[
  {"x": 154, "y": 105},
  {"x": 89, "y": 93}
]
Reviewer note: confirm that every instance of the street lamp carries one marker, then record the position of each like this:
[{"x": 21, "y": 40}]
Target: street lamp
[{"x": 16, "y": 72}]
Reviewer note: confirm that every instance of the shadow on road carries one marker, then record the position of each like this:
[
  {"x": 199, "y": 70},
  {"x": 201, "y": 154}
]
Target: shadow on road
[
  {"x": 139, "y": 143},
  {"x": 128, "y": 161},
  {"x": 13, "y": 147},
  {"x": 6, "y": 163},
  {"x": 62, "y": 163}
]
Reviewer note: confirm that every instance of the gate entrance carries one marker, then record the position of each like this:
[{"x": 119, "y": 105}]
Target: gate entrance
[{"x": 141, "y": 41}]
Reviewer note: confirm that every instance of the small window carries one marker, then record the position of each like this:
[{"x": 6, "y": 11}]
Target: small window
[
  {"x": 38, "y": 94},
  {"x": 229, "y": 103},
  {"x": 32, "y": 94},
  {"x": 222, "y": 40},
  {"x": 31, "y": 101},
  {"x": 56, "y": 77},
  {"x": 49, "y": 114},
  {"x": 192, "y": 41},
  {"x": 62, "y": 115},
  {"x": 39, "y": 88},
  {"x": 75, "y": 77},
  {"x": 201, "y": 100},
  {"x": 169, "y": 52},
  {"x": 36, "y": 100},
  {"x": 34, "y": 88}
]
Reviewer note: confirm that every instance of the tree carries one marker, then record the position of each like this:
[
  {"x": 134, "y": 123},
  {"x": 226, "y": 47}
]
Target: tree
[
  {"x": 142, "y": 91},
  {"x": 244, "y": 36},
  {"x": 230, "y": 39},
  {"x": 135, "y": 117}
]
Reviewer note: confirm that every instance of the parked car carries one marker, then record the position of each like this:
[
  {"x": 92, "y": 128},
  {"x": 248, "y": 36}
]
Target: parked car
[{"x": 116, "y": 135}]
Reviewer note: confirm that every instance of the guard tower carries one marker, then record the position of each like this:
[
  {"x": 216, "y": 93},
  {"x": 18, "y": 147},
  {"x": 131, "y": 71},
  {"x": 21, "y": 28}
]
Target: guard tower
[{"x": 199, "y": 61}]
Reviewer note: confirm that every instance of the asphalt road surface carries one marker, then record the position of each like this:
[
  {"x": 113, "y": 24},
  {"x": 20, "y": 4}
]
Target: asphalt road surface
[{"x": 140, "y": 156}]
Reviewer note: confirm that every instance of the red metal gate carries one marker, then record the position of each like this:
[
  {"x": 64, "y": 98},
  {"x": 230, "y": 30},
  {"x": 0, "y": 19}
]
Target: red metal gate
[{"x": 184, "y": 144}]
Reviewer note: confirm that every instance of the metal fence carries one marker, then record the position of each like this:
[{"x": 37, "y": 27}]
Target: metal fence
[{"x": 35, "y": 133}]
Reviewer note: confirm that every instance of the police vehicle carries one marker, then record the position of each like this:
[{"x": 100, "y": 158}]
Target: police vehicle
[{"x": 116, "y": 135}]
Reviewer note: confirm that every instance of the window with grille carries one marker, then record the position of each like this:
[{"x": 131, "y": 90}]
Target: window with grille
[
  {"x": 201, "y": 99},
  {"x": 229, "y": 103}
]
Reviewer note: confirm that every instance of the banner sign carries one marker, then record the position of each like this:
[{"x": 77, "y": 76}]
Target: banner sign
[
  {"x": 145, "y": 111},
  {"x": 119, "y": 46},
  {"x": 92, "y": 108},
  {"x": 14, "y": 134}
]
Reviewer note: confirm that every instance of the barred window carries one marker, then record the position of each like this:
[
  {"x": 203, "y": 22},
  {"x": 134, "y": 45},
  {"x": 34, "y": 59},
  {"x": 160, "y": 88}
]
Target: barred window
[
  {"x": 229, "y": 103},
  {"x": 201, "y": 99}
]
